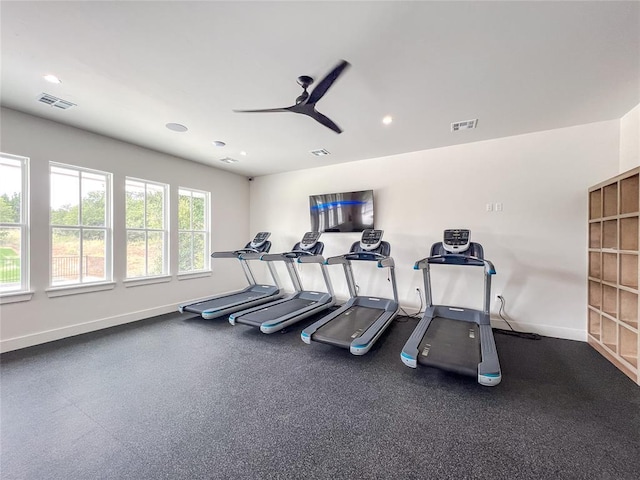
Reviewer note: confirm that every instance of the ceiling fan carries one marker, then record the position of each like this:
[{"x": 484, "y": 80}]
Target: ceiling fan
[{"x": 306, "y": 102}]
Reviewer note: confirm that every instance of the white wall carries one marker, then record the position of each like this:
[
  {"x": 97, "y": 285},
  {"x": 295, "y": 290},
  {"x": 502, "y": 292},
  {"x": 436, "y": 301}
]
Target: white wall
[
  {"x": 43, "y": 318},
  {"x": 630, "y": 140},
  {"x": 538, "y": 242}
]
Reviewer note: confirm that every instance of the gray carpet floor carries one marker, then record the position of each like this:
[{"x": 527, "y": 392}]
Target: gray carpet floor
[{"x": 178, "y": 397}]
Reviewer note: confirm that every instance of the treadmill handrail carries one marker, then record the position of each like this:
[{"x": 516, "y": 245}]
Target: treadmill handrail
[
  {"x": 311, "y": 259},
  {"x": 234, "y": 253},
  {"x": 442, "y": 259},
  {"x": 383, "y": 261},
  {"x": 286, "y": 256}
]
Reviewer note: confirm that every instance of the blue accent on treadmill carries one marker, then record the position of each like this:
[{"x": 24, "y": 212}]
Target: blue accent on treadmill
[
  {"x": 415, "y": 267},
  {"x": 304, "y": 334},
  {"x": 339, "y": 203},
  {"x": 407, "y": 356},
  {"x": 495, "y": 375}
]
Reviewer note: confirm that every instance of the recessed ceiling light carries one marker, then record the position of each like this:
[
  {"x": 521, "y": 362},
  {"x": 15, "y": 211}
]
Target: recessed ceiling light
[
  {"x": 218, "y": 143},
  {"x": 228, "y": 160},
  {"x": 320, "y": 152},
  {"x": 243, "y": 153},
  {"x": 52, "y": 79},
  {"x": 387, "y": 120},
  {"x": 176, "y": 127}
]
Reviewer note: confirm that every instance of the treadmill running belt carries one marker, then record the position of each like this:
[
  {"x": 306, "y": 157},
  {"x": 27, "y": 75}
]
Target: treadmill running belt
[
  {"x": 226, "y": 301},
  {"x": 275, "y": 311},
  {"x": 345, "y": 328},
  {"x": 451, "y": 345}
]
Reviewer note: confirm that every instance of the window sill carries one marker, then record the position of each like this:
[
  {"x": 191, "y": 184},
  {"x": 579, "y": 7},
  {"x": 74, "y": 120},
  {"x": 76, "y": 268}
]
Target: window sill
[
  {"x": 15, "y": 297},
  {"x": 137, "y": 282},
  {"x": 190, "y": 275},
  {"x": 77, "y": 289}
]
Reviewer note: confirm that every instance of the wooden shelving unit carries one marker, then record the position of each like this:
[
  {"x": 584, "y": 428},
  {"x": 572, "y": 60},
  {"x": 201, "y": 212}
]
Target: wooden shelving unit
[{"x": 614, "y": 236}]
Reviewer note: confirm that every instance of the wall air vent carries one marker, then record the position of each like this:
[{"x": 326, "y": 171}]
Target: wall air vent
[
  {"x": 464, "y": 125},
  {"x": 228, "y": 160},
  {"x": 55, "y": 101},
  {"x": 320, "y": 152}
]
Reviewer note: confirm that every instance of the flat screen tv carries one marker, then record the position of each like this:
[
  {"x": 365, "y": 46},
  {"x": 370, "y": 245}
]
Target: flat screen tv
[{"x": 341, "y": 212}]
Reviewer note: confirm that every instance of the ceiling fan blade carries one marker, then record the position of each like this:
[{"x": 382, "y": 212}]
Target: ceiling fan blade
[
  {"x": 285, "y": 109},
  {"x": 327, "y": 81},
  {"x": 324, "y": 120}
]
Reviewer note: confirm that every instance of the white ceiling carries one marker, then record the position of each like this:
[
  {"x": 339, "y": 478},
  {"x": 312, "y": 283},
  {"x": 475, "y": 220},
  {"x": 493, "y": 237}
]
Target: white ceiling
[{"x": 132, "y": 67}]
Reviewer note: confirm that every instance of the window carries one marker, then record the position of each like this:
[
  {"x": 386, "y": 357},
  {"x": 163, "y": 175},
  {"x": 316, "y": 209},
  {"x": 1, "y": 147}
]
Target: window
[
  {"x": 80, "y": 222},
  {"x": 14, "y": 224},
  {"x": 147, "y": 231},
  {"x": 193, "y": 230}
]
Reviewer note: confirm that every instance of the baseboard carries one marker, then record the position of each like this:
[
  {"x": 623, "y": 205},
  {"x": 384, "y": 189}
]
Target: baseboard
[
  {"x": 544, "y": 330},
  {"x": 17, "y": 343}
]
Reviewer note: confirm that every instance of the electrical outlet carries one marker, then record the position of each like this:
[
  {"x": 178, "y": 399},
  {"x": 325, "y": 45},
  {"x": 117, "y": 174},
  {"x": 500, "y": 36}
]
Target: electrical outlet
[{"x": 498, "y": 297}]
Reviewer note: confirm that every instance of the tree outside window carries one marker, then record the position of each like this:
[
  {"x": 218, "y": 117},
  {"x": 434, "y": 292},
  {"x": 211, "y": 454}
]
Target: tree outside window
[{"x": 193, "y": 230}]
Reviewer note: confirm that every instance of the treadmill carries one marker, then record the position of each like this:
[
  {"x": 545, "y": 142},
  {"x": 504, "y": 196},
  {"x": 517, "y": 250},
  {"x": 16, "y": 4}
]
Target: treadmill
[
  {"x": 362, "y": 319},
  {"x": 450, "y": 338},
  {"x": 276, "y": 315},
  {"x": 252, "y": 295}
]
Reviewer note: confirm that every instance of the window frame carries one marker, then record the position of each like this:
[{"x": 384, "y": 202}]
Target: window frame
[
  {"x": 166, "y": 264},
  {"x": 207, "y": 230},
  {"x": 22, "y": 292},
  {"x": 107, "y": 228}
]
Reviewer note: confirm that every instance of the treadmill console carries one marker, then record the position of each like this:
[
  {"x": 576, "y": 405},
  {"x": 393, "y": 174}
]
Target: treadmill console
[
  {"x": 259, "y": 239},
  {"x": 309, "y": 240},
  {"x": 371, "y": 239},
  {"x": 457, "y": 240}
]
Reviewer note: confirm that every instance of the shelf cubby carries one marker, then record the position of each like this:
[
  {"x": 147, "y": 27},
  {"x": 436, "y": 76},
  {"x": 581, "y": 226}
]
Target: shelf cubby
[
  {"x": 610, "y": 200},
  {"x": 595, "y": 204},
  {"x": 595, "y": 235},
  {"x": 610, "y": 300},
  {"x": 629, "y": 308},
  {"x": 595, "y": 268},
  {"x": 629, "y": 233},
  {"x": 595, "y": 294},
  {"x": 629, "y": 196},
  {"x": 628, "y": 341},
  {"x": 628, "y": 270},
  {"x": 610, "y": 334},
  {"x": 594, "y": 324},
  {"x": 610, "y": 234},
  {"x": 610, "y": 267}
]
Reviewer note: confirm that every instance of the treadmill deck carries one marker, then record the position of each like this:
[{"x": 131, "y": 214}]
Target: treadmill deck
[
  {"x": 348, "y": 326},
  {"x": 452, "y": 345}
]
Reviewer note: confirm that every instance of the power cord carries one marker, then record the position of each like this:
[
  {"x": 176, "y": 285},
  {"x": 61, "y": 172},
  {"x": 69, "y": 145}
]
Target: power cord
[
  {"x": 414, "y": 315},
  {"x": 528, "y": 335}
]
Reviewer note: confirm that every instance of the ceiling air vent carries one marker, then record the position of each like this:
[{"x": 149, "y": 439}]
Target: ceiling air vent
[
  {"x": 464, "y": 125},
  {"x": 320, "y": 152},
  {"x": 54, "y": 101},
  {"x": 228, "y": 160}
]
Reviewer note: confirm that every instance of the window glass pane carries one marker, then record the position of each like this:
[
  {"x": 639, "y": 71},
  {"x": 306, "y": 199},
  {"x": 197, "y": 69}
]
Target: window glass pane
[
  {"x": 155, "y": 252},
  {"x": 155, "y": 207},
  {"x": 134, "y": 204},
  {"x": 10, "y": 190},
  {"x": 10, "y": 276},
  {"x": 136, "y": 254},
  {"x": 65, "y": 256},
  {"x": 184, "y": 211},
  {"x": 198, "y": 211},
  {"x": 199, "y": 251},
  {"x": 184, "y": 252},
  {"x": 94, "y": 188},
  {"x": 94, "y": 255},
  {"x": 65, "y": 191}
]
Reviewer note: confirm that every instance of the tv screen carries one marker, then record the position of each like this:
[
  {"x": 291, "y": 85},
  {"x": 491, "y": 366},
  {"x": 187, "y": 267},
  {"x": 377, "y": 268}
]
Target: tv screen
[{"x": 341, "y": 212}]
